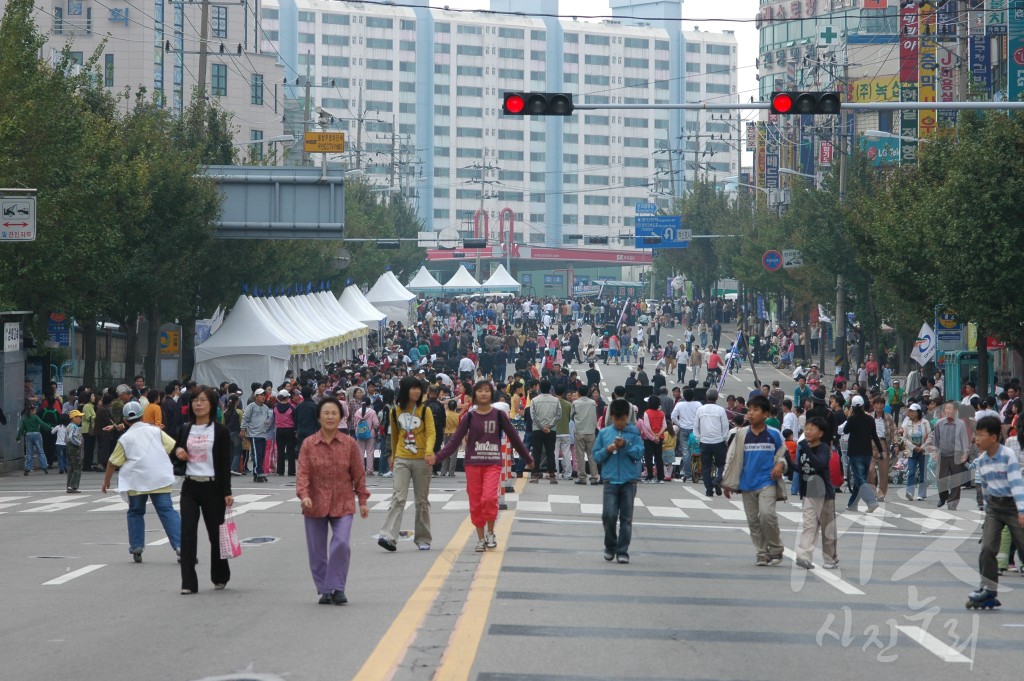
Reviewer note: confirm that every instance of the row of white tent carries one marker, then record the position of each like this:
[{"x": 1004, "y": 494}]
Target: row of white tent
[
  {"x": 463, "y": 282},
  {"x": 263, "y": 337}
]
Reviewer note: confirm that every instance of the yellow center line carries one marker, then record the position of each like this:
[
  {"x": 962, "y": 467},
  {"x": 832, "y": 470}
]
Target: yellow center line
[
  {"x": 391, "y": 649},
  {"x": 457, "y": 662}
]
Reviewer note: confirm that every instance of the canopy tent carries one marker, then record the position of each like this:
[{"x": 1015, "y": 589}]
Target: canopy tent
[
  {"x": 424, "y": 282},
  {"x": 462, "y": 282},
  {"x": 247, "y": 348},
  {"x": 354, "y": 303},
  {"x": 501, "y": 282},
  {"x": 390, "y": 297}
]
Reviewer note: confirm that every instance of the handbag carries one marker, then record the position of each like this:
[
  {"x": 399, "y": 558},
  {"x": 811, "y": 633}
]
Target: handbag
[{"x": 230, "y": 547}]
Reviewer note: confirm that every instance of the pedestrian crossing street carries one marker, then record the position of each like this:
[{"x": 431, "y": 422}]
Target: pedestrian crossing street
[{"x": 672, "y": 502}]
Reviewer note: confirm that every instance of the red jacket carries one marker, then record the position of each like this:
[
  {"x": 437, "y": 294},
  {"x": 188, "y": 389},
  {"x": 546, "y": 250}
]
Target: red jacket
[{"x": 331, "y": 474}]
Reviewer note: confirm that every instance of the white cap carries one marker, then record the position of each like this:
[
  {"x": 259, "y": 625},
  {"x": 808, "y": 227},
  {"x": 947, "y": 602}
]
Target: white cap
[
  {"x": 284, "y": 394},
  {"x": 857, "y": 401},
  {"x": 259, "y": 391}
]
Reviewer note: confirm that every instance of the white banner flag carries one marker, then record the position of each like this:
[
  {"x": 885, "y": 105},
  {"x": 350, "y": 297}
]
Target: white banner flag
[{"x": 924, "y": 346}]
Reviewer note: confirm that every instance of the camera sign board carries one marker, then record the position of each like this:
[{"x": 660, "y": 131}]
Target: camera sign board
[{"x": 18, "y": 218}]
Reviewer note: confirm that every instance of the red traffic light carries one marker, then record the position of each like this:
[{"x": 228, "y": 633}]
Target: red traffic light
[
  {"x": 514, "y": 104},
  {"x": 782, "y": 103}
]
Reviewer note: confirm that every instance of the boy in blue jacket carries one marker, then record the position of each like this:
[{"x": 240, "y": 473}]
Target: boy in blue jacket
[{"x": 619, "y": 451}]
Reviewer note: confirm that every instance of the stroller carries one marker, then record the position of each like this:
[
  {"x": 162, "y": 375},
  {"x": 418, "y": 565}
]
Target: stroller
[{"x": 898, "y": 469}]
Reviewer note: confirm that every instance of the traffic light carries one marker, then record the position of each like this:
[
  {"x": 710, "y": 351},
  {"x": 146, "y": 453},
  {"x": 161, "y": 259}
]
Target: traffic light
[
  {"x": 474, "y": 243},
  {"x": 598, "y": 240},
  {"x": 650, "y": 240},
  {"x": 388, "y": 244},
  {"x": 826, "y": 103},
  {"x": 537, "y": 104}
]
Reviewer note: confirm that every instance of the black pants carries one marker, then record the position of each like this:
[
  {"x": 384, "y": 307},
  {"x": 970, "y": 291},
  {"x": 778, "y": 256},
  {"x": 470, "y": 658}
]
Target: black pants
[
  {"x": 543, "y": 452},
  {"x": 652, "y": 459},
  {"x": 88, "y": 451},
  {"x": 1000, "y": 512},
  {"x": 712, "y": 454},
  {"x": 204, "y": 497},
  {"x": 286, "y": 450},
  {"x": 49, "y": 446}
]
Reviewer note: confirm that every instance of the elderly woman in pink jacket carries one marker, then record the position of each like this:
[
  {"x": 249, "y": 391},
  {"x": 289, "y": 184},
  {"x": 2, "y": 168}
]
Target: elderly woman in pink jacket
[{"x": 331, "y": 477}]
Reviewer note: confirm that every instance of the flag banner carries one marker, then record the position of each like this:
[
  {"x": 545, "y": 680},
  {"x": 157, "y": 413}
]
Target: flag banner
[{"x": 924, "y": 345}]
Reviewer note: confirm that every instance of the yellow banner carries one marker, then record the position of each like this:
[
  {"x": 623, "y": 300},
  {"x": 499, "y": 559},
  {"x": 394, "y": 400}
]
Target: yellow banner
[
  {"x": 883, "y": 89},
  {"x": 927, "y": 121}
]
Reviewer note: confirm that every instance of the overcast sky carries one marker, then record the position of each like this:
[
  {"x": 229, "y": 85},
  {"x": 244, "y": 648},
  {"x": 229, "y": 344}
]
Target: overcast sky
[{"x": 695, "y": 13}]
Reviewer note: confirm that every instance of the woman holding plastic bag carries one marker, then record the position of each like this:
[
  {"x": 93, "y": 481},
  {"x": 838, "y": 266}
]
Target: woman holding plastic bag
[
  {"x": 331, "y": 476},
  {"x": 204, "y": 457}
]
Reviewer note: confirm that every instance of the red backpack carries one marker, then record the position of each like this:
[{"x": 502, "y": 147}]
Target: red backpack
[{"x": 835, "y": 469}]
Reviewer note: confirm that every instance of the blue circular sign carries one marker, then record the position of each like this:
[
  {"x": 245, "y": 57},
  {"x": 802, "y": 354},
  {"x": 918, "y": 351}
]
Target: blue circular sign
[{"x": 772, "y": 261}]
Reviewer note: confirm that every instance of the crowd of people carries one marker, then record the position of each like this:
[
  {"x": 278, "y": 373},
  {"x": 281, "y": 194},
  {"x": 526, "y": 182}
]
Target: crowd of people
[{"x": 467, "y": 376}]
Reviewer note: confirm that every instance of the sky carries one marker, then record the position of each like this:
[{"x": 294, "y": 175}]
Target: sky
[{"x": 695, "y": 13}]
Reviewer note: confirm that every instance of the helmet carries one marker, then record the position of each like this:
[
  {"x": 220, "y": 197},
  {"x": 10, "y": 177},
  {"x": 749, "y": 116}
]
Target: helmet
[{"x": 132, "y": 411}]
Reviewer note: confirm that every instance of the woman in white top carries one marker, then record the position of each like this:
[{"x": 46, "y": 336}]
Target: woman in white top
[{"x": 204, "y": 457}]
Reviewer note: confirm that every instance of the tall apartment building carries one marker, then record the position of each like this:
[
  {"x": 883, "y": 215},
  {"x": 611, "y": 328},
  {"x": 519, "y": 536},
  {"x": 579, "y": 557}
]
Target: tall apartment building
[
  {"x": 155, "y": 45},
  {"x": 419, "y": 93}
]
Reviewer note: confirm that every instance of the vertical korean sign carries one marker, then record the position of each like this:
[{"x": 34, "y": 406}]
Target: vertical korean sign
[
  {"x": 762, "y": 153},
  {"x": 909, "y": 43},
  {"x": 927, "y": 118},
  {"x": 1015, "y": 51},
  {"x": 995, "y": 17}
]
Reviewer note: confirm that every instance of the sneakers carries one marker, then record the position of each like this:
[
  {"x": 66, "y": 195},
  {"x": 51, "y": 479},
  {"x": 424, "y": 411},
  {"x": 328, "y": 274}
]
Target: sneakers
[
  {"x": 831, "y": 564},
  {"x": 137, "y": 556},
  {"x": 481, "y": 546},
  {"x": 423, "y": 547},
  {"x": 490, "y": 540},
  {"x": 910, "y": 497},
  {"x": 219, "y": 587},
  {"x": 534, "y": 480},
  {"x": 73, "y": 490},
  {"x": 389, "y": 474},
  {"x": 775, "y": 560},
  {"x": 609, "y": 556},
  {"x": 805, "y": 564},
  {"x": 622, "y": 559},
  {"x": 553, "y": 480},
  {"x": 386, "y": 544},
  {"x": 761, "y": 561},
  {"x": 919, "y": 499}
]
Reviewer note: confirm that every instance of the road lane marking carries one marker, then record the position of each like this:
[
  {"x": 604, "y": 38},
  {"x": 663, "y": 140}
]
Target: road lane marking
[
  {"x": 73, "y": 575},
  {"x": 394, "y": 644},
  {"x": 933, "y": 645},
  {"x": 457, "y": 661}
]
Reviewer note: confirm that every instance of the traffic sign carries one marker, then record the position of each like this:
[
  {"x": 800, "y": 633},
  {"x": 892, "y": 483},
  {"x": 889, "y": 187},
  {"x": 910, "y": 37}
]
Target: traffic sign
[
  {"x": 772, "y": 261},
  {"x": 645, "y": 208},
  {"x": 323, "y": 142},
  {"x": 791, "y": 259},
  {"x": 18, "y": 218},
  {"x": 667, "y": 228}
]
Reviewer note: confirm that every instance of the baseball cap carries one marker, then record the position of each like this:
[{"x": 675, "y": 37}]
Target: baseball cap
[
  {"x": 259, "y": 391},
  {"x": 132, "y": 411},
  {"x": 284, "y": 394},
  {"x": 857, "y": 401},
  {"x": 75, "y": 414},
  {"x": 914, "y": 407}
]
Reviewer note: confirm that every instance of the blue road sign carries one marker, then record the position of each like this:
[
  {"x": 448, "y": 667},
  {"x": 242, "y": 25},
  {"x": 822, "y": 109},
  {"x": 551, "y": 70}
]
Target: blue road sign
[
  {"x": 667, "y": 227},
  {"x": 645, "y": 208},
  {"x": 772, "y": 261}
]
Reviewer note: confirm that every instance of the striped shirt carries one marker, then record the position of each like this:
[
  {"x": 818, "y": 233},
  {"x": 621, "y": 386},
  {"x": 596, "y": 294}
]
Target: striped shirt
[{"x": 1001, "y": 477}]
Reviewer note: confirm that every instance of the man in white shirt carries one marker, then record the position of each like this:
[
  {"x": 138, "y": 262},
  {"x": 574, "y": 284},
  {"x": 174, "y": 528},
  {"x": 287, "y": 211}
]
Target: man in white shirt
[
  {"x": 466, "y": 369},
  {"x": 682, "y": 359},
  {"x": 711, "y": 426},
  {"x": 789, "y": 418},
  {"x": 683, "y": 418}
]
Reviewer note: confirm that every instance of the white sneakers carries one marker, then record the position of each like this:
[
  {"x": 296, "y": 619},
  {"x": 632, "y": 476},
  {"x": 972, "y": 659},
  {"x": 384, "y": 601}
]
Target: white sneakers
[{"x": 488, "y": 542}]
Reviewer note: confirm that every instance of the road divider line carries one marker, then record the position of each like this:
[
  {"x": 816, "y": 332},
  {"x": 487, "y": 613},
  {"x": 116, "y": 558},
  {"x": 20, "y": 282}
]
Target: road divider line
[
  {"x": 394, "y": 644},
  {"x": 933, "y": 645},
  {"x": 63, "y": 579},
  {"x": 457, "y": 661}
]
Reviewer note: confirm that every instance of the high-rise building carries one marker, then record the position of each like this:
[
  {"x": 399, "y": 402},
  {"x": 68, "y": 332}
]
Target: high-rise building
[
  {"x": 155, "y": 45},
  {"x": 419, "y": 93}
]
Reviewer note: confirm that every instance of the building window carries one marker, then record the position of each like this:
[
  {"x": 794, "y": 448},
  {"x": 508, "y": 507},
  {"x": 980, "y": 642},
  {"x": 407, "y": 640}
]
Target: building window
[
  {"x": 661, "y": 45},
  {"x": 327, "y": 39},
  {"x": 595, "y": 160},
  {"x": 596, "y": 60},
  {"x": 336, "y": 19},
  {"x": 307, "y": 38},
  {"x": 511, "y": 53},
  {"x": 307, "y": 16},
  {"x": 466, "y": 91},
  {"x": 407, "y": 25},
  {"x": 273, "y": 14},
  {"x": 407, "y": 45},
  {"x": 379, "y": 22},
  {"x": 567, "y": 77},
  {"x": 538, "y": 55},
  {"x": 108, "y": 70},
  {"x": 472, "y": 112},
  {"x": 718, "y": 49},
  {"x": 380, "y": 64},
  {"x": 635, "y": 63},
  {"x": 406, "y": 87},
  {"x": 596, "y": 80},
  {"x": 571, "y": 58},
  {"x": 510, "y": 74},
  {"x": 219, "y": 80},
  {"x": 516, "y": 33},
  {"x": 591, "y": 39},
  {"x": 693, "y": 67},
  {"x": 693, "y": 48},
  {"x": 638, "y": 43},
  {"x": 600, "y": 140},
  {"x": 595, "y": 200},
  {"x": 476, "y": 71},
  {"x": 504, "y": 134},
  {"x": 380, "y": 44},
  {"x": 256, "y": 97},
  {"x": 470, "y": 50},
  {"x": 334, "y": 61},
  {"x": 257, "y": 149},
  {"x": 469, "y": 132},
  {"x": 538, "y": 35},
  {"x": 219, "y": 21},
  {"x": 380, "y": 85},
  {"x": 470, "y": 30},
  {"x": 442, "y": 28},
  {"x": 506, "y": 155}
]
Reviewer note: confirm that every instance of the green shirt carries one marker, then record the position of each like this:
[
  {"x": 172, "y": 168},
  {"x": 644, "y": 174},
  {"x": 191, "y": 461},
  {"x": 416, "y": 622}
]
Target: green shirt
[
  {"x": 562, "y": 427},
  {"x": 773, "y": 422},
  {"x": 31, "y": 424}
]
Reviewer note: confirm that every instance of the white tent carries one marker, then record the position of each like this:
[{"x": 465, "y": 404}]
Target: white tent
[
  {"x": 424, "y": 282},
  {"x": 501, "y": 281},
  {"x": 353, "y": 330},
  {"x": 247, "y": 348},
  {"x": 354, "y": 303},
  {"x": 462, "y": 282},
  {"x": 390, "y": 297}
]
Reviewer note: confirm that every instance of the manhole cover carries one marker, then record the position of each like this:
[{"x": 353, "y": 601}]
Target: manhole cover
[{"x": 251, "y": 541}]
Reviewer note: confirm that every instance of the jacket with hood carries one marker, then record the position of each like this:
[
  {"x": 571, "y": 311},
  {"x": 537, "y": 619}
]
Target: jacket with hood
[{"x": 284, "y": 415}]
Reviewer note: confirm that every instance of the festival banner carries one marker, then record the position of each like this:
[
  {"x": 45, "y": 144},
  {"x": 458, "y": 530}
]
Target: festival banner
[{"x": 909, "y": 39}]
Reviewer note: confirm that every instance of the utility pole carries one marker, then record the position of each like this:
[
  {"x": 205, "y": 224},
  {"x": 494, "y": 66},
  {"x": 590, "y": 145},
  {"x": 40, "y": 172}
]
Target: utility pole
[
  {"x": 204, "y": 35},
  {"x": 305, "y": 120},
  {"x": 393, "y": 123},
  {"x": 359, "y": 132},
  {"x": 839, "y": 324}
]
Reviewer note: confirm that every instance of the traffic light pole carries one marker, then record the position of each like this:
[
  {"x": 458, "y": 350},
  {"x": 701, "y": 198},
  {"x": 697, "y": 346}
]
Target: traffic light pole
[{"x": 845, "y": 106}]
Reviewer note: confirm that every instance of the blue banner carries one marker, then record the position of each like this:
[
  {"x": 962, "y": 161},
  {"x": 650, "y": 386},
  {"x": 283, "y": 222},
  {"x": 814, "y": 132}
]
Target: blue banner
[
  {"x": 981, "y": 62},
  {"x": 760, "y": 308},
  {"x": 1015, "y": 51}
]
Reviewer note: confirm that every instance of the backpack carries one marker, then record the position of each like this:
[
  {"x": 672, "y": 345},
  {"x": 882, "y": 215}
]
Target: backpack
[
  {"x": 363, "y": 431},
  {"x": 835, "y": 469},
  {"x": 50, "y": 416}
]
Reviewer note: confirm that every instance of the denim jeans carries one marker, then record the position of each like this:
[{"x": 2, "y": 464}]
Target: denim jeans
[
  {"x": 859, "y": 472},
  {"x": 34, "y": 447},
  {"x": 62, "y": 458},
  {"x": 169, "y": 518},
  {"x": 683, "y": 452},
  {"x": 384, "y": 462},
  {"x": 617, "y": 514},
  {"x": 917, "y": 475},
  {"x": 712, "y": 453},
  {"x": 236, "y": 452}
]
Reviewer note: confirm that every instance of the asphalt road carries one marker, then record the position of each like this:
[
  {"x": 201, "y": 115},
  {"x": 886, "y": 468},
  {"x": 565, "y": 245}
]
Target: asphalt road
[{"x": 545, "y": 606}]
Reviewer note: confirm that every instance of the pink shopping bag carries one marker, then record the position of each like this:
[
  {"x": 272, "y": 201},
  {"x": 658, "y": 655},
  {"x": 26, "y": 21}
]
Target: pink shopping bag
[{"x": 230, "y": 547}]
